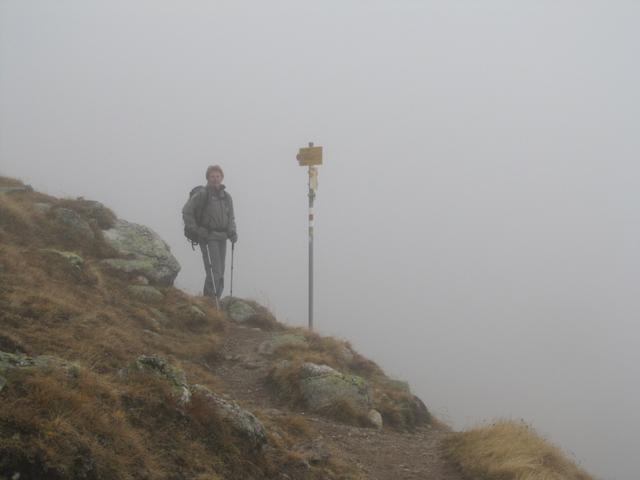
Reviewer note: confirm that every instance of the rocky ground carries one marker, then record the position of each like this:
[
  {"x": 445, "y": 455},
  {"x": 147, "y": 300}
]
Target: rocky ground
[{"x": 378, "y": 454}]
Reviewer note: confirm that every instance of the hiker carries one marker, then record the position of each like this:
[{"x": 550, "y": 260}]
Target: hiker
[{"x": 209, "y": 214}]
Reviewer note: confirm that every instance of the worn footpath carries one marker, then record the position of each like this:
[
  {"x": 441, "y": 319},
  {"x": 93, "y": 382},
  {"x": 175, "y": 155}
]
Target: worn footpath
[{"x": 377, "y": 454}]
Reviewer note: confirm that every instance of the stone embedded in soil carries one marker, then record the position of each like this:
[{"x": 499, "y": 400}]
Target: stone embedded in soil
[
  {"x": 268, "y": 347},
  {"x": 242, "y": 420},
  {"x": 240, "y": 311},
  {"x": 375, "y": 418},
  {"x": 159, "y": 366},
  {"x": 146, "y": 293}
]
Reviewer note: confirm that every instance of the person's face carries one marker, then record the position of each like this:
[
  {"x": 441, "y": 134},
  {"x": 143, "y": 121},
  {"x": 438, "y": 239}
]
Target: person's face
[{"x": 214, "y": 178}]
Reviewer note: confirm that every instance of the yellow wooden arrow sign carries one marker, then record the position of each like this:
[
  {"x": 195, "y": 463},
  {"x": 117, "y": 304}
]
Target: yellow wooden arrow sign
[{"x": 309, "y": 156}]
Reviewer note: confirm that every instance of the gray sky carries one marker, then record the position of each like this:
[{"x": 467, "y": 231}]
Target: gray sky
[{"x": 477, "y": 222}]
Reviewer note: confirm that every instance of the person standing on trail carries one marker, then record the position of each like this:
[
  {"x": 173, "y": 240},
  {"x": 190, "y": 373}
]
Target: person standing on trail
[{"x": 209, "y": 213}]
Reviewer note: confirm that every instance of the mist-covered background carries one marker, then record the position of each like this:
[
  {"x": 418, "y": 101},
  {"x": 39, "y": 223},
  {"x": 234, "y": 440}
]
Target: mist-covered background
[{"x": 477, "y": 229}]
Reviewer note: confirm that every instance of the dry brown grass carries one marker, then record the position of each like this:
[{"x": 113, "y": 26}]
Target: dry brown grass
[
  {"x": 62, "y": 423},
  {"x": 96, "y": 426},
  {"x": 10, "y": 182},
  {"x": 509, "y": 450},
  {"x": 103, "y": 217},
  {"x": 263, "y": 318},
  {"x": 55, "y": 425}
]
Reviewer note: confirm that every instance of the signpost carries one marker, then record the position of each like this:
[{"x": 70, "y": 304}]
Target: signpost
[{"x": 311, "y": 157}]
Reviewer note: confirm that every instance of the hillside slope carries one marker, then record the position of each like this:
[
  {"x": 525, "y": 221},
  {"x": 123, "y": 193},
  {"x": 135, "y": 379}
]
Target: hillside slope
[{"x": 109, "y": 372}]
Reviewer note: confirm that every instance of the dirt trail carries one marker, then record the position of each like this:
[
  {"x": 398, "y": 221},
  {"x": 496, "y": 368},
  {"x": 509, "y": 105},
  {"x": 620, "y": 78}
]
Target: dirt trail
[{"x": 379, "y": 455}]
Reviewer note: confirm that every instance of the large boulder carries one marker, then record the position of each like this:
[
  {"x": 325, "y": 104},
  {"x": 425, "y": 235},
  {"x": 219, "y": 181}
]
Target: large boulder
[
  {"x": 144, "y": 251},
  {"x": 243, "y": 422},
  {"x": 75, "y": 223},
  {"x": 322, "y": 387}
]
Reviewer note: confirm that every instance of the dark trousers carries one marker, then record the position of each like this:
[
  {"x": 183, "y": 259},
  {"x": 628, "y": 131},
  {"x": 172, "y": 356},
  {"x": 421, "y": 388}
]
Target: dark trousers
[{"x": 217, "y": 252}]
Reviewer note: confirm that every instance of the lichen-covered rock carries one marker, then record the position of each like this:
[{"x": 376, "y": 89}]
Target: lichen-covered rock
[
  {"x": 269, "y": 346},
  {"x": 146, "y": 253},
  {"x": 10, "y": 361},
  {"x": 141, "y": 280},
  {"x": 196, "y": 312},
  {"x": 240, "y": 311},
  {"x": 322, "y": 386},
  {"x": 159, "y": 366},
  {"x": 130, "y": 267},
  {"x": 146, "y": 293},
  {"x": 225, "y": 302},
  {"x": 18, "y": 360},
  {"x": 75, "y": 223},
  {"x": 159, "y": 316},
  {"x": 73, "y": 259},
  {"x": 243, "y": 421}
]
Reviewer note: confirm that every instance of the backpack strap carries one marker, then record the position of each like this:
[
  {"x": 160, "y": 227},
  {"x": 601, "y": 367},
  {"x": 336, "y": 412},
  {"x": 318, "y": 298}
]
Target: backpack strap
[{"x": 203, "y": 205}]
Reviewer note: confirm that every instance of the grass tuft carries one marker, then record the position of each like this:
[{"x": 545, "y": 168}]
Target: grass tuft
[{"x": 509, "y": 450}]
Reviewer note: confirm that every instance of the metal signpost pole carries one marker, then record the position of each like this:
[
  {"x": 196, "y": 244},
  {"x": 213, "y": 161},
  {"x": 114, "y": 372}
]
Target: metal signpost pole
[
  {"x": 312, "y": 196},
  {"x": 310, "y": 157}
]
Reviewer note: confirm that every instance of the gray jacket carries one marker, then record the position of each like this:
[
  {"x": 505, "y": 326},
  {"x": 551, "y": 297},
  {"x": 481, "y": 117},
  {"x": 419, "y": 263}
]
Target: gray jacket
[{"x": 218, "y": 220}]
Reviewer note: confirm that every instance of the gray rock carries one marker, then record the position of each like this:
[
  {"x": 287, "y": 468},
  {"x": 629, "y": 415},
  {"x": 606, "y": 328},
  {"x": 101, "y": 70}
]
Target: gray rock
[
  {"x": 147, "y": 254},
  {"x": 322, "y": 387},
  {"x": 375, "y": 418},
  {"x": 141, "y": 280},
  {"x": 196, "y": 312},
  {"x": 243, "y": 421},
  {"x": 240, "y": 311},
  {"x": 146, "y": 293},
  {"x": 159, "y": 366},
  {"x": 225, "y": 302},
  {"x": 140, "y": 267},
  {"x": 269, "y": 346},
  {"x": 75, "y": 223},
  {"x": 10, "y": 361},
  {"x": 309, "y": 370},
  {"x": 19, "y": 360},
  {"x": 160, "y": 317},
  {"x": 75, "y": 260}
]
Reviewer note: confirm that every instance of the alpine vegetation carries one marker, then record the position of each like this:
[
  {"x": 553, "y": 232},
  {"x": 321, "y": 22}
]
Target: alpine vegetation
[{"x": 107, "y": 371}]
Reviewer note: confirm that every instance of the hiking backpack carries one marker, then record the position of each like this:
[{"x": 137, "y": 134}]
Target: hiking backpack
[{"x": 192, "y": 235}]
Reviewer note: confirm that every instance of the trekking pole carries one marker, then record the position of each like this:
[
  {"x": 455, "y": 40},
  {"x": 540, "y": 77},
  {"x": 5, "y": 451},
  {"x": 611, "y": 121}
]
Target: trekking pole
[
  {"x": 233, "y": 249},
  {"x": 213, "y": 280}
]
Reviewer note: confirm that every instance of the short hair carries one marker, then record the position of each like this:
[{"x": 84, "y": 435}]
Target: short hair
[{"x": 214, "y": 168}]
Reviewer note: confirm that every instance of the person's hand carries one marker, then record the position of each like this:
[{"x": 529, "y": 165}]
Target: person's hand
[{"x": 233, "y": 236}]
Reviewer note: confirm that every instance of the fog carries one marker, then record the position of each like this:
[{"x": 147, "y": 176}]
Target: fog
[{"x": 477, "y": 222}]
